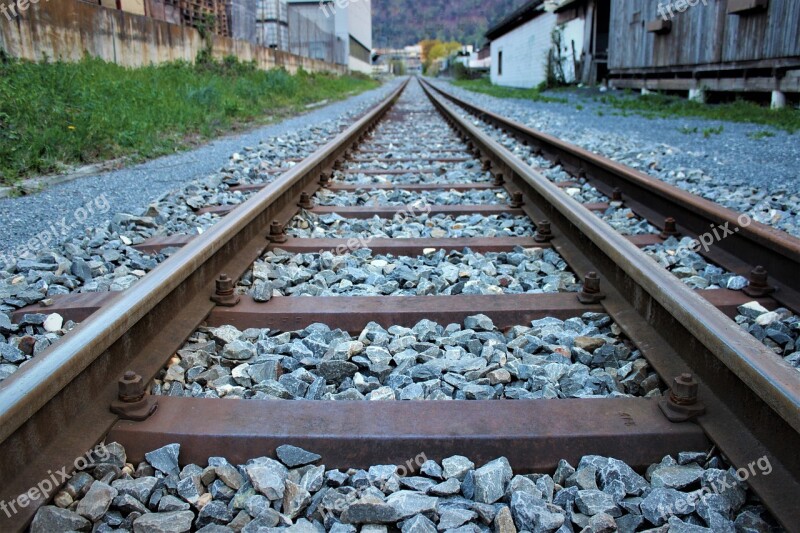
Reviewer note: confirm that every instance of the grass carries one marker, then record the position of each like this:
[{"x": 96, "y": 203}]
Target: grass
[
  {"x": 761, "y": 134},
  {"x": 485, "y": 86},
  {"x": 663, "y": 106},
  {"x": 56, "y": 114}
]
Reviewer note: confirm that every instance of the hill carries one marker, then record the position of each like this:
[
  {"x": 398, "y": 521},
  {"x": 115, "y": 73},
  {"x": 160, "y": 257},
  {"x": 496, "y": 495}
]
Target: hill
[{"x": 398, "y": 23}]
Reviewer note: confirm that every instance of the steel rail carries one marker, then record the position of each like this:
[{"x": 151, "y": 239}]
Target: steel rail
[
  {"x": 57, "y": 407},
  {"x": 751, "y": 244},
  {"x": 752, "y": 396}
]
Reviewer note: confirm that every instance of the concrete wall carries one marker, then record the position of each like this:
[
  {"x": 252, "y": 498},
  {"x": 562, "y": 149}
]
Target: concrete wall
[
  {"x": 68, "y": 29},
  {"x": 525, "y": 52}
]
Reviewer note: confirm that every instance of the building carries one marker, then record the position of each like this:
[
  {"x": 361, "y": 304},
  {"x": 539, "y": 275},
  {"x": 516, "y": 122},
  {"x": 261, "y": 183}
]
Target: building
[
  {"x": 272, "y": 24},
  {"x": 702, "y": 45},
  {"x": 565, "y": 41},
  {"x": 338, "y": 32},
  {"x": 520, "y": 46}
]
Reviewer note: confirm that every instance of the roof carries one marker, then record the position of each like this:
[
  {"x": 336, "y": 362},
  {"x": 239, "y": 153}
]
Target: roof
[
  {"x": 526, "y": 13},
  {"x": 567, "y": 4}
]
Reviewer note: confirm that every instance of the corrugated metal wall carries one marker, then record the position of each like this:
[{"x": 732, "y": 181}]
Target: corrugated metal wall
[{"x": 703, "y": 34}]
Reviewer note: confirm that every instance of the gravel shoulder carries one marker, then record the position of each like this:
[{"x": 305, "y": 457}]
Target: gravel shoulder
[
  {"x": 755, "y": 175},
  {"x": 23, "y": 218}
]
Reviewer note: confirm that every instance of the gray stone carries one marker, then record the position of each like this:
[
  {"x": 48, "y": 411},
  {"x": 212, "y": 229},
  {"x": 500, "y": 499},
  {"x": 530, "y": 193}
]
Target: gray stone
[
  {"x": 138, "y": 488},
  {"x": 491, "y": 480},
  {"x": 336, "y": 370},
  {"x": 268, "y": 477},
  {"x": 676, "y": 525},
  {"x": 128, "y": 504},
  {"x": 292, "y": 456},
  {"x": 602, "y": 523},
  {"x": 97, "y": 501},
  {"x": 214, "y": 512},
  {"x": 190, "y": 489},
  {"x": 432, "y": 469},
  {"x": 295, "y": 499},
  {"x": 451, "y": 487},
  {"x": 453, "y": 518},
  {"x": 239, "y": 351},
  {"x": 591, "y": 502},
  {"x": 408, "y": 503},
  {"x": 50, "y": 519},
  {"x": 660, "y": 504},
  {"x": 165, "y": 459},
  {"x": 534, "y": 515},
  {"x": 369, "y": 510},
  {"x": 229, "y": 475},
  {"x": 479, "y": 323},
  {"x": 609, "y": 469},
  {"x": 170, "y": 503},
  {"x": 675, "y": 476},
  {"x": 456, "y": 466},
  {"x": 175, "y": 522},
  {"x": 418, "y": 524}
]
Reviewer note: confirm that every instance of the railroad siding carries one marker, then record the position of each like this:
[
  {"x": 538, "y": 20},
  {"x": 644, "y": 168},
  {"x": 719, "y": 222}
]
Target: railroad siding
[{"x": 67, "y": 30}]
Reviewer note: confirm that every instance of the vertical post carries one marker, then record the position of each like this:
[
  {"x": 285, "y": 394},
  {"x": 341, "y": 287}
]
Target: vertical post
[
  {"x": 697, "y": 95},
  {"x": 778, "y": 100}
]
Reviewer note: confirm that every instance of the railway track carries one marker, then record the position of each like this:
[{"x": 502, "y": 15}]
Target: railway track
[{"x": 269, "y": 268}]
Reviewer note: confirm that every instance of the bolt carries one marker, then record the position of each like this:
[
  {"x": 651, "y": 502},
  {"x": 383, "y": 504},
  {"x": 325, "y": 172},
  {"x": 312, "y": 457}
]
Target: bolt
[
  {"x": 499, "y": 179},
  {"x": 582, "y": 173},
  {"x": 487, "y": 164},
  {"x": 590, "y": 294},
  {"x": 543, "y": 232},
  {"x": 670, "y": 229},
  {"x": 131, "y": 387},
  {"x": 516, "y": 200},
  {"x": 276, "y": 232},
  {"x": 616, "y": 195},
  {"x": 324, "y": 179},
  {"x": 305, "y": 201},
  {"x": 758, "y": 283},
  {"x": 684, "y": 390},
  {"x": 224, "y": 294}
]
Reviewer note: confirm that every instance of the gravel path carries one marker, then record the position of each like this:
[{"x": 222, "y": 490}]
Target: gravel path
[
  {"x": 291, "y": 491},
  {"x": 758, "y": 176},
  {"x": 132, "y": 188}
]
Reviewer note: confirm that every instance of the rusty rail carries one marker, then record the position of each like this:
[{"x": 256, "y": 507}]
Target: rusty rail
[{"x": 749, "y": 244}]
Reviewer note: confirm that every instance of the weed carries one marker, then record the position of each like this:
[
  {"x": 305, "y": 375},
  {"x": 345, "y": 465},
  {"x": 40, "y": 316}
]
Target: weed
[
  {"x": 686, "y": 130},
  {"x": 579, "y": 107},
  {"x": 663, "y": 106},
  {"x": 708, "y": 132},
  {"x": 57, "y": 114},
  {"x": 485, "y": 86},
  {"x": 762, "y": 134}
]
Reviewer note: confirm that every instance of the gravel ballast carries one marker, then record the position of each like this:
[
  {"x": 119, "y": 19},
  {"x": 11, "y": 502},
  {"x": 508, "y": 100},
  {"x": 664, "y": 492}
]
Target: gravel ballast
[
  {"x": 333, "y": 226},
  {"x": 378, "y": 197},
  {"x": 362, "y": 273},
  {"x": 292, "y": 490},
  {"x": 764, "y": 184},
  {"x": 583, "y": 357}
]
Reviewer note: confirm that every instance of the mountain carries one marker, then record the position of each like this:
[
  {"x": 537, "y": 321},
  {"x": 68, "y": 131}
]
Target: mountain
[{"x": 398, "y": 23}]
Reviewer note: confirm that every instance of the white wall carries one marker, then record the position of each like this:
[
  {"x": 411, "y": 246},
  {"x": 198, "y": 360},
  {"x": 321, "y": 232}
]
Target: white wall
[
  {"x": 359, "y": 66},
  {"x": 573, "y": 32},
  {"x": 359, "y": 14},
  {"x": 524, "y": 53}
]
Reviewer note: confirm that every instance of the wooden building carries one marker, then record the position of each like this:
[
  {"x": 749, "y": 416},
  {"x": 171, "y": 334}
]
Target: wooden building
[{"x": 706, "y": 45}]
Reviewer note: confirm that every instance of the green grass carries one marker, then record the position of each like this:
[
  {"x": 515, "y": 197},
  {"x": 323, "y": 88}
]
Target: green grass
[
  {"x": 662, "y": 106},
  {"x": 485, "y": 86},
  {"x": 59, "y": 114},
  {"x": 761, "y": 134}
]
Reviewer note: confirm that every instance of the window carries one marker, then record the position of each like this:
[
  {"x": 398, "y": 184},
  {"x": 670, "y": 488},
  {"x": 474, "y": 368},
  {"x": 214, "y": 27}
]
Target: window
[{"x": 500, "y": 63}]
